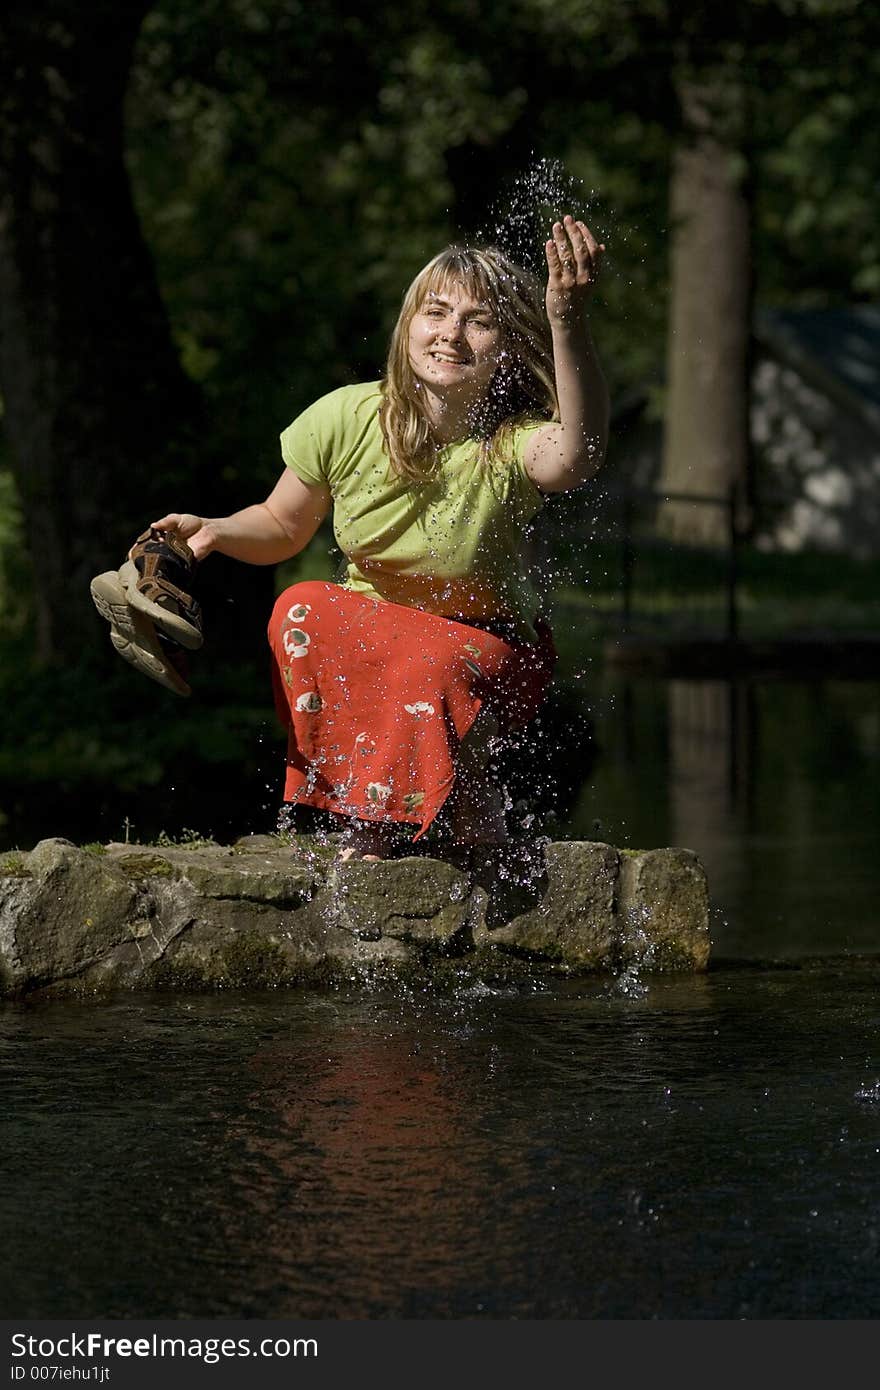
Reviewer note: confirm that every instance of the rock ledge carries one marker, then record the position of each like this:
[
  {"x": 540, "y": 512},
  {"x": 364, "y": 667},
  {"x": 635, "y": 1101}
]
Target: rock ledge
[{"x": 267, "y": 913}]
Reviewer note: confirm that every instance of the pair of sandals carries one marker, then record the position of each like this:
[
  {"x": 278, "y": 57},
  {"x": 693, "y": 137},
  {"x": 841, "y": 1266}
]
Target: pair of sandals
[{"x": 149, "y": 605}]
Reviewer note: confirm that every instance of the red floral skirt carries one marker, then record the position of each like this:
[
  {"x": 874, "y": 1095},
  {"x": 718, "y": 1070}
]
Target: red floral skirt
[{"x": 378, "y": 697}]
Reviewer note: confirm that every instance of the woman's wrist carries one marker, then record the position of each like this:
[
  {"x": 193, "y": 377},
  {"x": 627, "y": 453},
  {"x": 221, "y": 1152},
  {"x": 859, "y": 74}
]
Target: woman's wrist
[{"x": 573, "y": 328}]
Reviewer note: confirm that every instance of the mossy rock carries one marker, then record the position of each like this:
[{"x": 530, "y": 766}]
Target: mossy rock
[
  {"x": 264, "y": 915},
  {"x": 253, "y": 961},
  {"x": 141, "y": 864},
  {"x": 15, "y": 865}
]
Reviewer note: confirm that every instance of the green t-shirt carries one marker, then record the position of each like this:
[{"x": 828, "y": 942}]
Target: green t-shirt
[{"x": 449, "y": 546}]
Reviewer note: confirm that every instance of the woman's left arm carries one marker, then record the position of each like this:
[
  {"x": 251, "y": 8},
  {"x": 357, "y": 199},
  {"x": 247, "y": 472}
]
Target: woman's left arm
[{"x": 565, "y": 454}]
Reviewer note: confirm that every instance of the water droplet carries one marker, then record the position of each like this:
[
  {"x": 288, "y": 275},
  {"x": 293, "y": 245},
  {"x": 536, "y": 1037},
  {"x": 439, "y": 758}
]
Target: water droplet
[{"x": 870, "y": 1094}]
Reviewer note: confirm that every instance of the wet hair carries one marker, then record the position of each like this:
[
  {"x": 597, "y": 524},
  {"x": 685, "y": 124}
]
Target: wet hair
[{"x": 523, "y": 387}]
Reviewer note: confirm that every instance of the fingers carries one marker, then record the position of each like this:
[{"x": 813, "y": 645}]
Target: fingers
[
  {"x": 554, "y": 263},
  {"x": 184, "y": 523},
  {"x": 573, "y": 253},
  {"x": 583, "y": 239},
  {"x": 566, "y": 252}
]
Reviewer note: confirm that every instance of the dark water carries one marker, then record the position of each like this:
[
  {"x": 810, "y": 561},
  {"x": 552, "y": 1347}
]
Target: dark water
[
  {"x": 774, "y": 783},
  {"x": 701, "y": 1147}
]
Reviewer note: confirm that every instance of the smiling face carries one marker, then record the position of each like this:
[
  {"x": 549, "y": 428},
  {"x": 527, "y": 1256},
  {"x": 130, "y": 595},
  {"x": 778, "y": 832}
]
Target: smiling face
[
  {"x": 454, "y": 343},
  {"x": 470, "y": 350}
]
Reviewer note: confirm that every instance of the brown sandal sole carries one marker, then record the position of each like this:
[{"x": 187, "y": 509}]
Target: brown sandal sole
[{"x": 133, "y": 634}]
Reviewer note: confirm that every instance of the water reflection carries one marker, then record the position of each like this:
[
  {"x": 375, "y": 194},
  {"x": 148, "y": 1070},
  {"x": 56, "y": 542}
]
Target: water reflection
[
  {"x": 706, "y": 1150},
  {"x": 772, "y": 783},
  {"x": 378, "y": 1133},
  {"x": 711, "y": 747}
]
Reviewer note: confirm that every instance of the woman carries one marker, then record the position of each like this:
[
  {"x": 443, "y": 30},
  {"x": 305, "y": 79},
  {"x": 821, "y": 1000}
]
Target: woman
[{"x": 393, "y": 682}]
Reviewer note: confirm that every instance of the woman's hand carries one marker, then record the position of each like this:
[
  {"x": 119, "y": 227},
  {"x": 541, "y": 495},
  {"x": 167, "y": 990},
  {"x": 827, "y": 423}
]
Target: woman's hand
[
  {"x": 573, "y": 260},
  {"x": 568, "y": 451},
  {"x": 195, "y": 530}
]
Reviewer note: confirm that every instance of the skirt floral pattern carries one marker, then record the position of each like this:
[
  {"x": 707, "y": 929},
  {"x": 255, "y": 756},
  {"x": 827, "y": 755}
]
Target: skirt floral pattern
[{"x": 377, "y": 699}]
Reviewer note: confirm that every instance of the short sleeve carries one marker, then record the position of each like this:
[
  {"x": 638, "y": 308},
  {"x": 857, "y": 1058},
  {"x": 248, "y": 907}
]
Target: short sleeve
[
  {"x": 307, "y": 445},
  {"x": 319, "y": 445},
  {"x": 521, "y": 436}
]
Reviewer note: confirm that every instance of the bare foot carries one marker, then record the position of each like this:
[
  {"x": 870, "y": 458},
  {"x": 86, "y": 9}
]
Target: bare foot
[{"x": 345, "y": 856}]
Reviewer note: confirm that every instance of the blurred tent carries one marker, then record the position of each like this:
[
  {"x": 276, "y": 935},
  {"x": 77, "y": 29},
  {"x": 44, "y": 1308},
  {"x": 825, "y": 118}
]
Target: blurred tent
[
  {"x": 816, "y": 423},
  {"x": 814, "y": 426}
]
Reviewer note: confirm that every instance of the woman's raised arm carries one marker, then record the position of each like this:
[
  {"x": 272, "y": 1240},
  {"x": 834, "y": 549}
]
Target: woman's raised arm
[
  {"x": 264, "y": 534},
  {"x": 565, "y": 454}
]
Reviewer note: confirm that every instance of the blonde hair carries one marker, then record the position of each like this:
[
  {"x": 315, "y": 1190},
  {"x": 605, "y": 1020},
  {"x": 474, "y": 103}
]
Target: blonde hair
[{"x": 523, "y": 387}]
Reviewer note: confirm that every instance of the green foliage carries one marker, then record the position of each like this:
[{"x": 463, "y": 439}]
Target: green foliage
[
  {"x": 99, "y": 722},
  {"x": 309, "y": 204},
  {"x": 818, "y": 206},
  {"x": 187, "y": 839}
]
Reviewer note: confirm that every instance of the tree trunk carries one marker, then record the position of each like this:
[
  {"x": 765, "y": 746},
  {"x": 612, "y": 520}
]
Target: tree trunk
[
  {"x": 706, "y": 440},
  {"x": 95, "y": 400}
]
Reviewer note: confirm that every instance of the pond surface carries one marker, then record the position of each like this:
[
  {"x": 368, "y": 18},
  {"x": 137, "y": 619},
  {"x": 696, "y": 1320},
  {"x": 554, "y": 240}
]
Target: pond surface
[
  {"x": 677, "y": 1147},
  {"x": 773, "y": 783},
  {"x": 699, "y": 1147}
]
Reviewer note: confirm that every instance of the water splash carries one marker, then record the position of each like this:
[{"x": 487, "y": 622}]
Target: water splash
[
  {"x": 479, "y": 989},
  {"x": 869, "y": 1094},
  {"x": 641, "y": 953},
  {"x": 519, "y": 221}
]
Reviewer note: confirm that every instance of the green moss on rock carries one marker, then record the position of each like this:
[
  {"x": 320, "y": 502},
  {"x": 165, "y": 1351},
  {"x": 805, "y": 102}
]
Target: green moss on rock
[
  {"x": 255, "y": 962},
  {"x": 15, "y": 865},
  {"x": 139, "y": 866}
]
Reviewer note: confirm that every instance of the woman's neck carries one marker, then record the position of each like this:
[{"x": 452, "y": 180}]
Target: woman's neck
[{"x": 451, "y": 418}]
